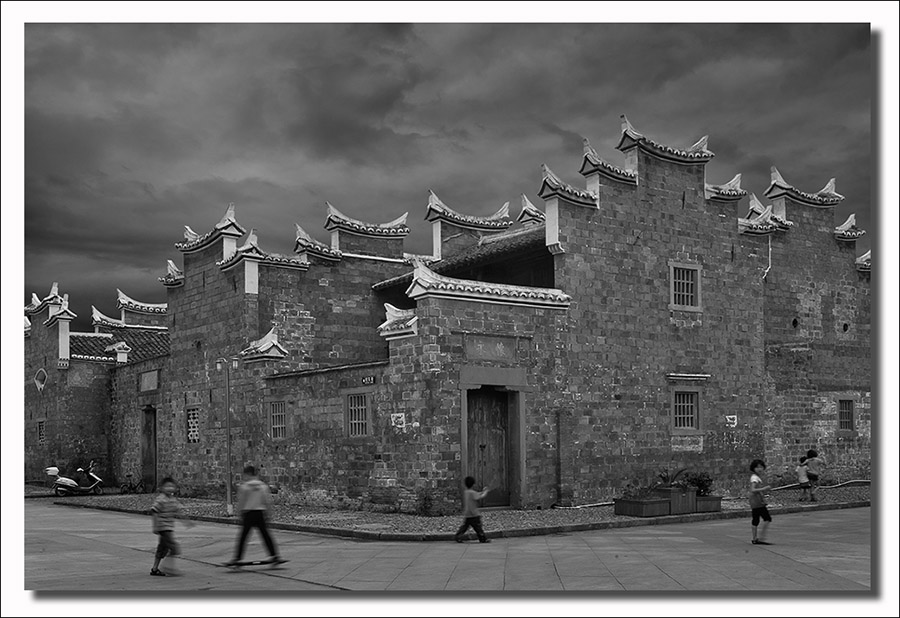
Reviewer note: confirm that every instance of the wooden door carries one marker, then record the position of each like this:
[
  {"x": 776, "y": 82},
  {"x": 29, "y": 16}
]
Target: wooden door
[
  {"x": 488, "y": 443},
  {"x": 148, "y": 448}
]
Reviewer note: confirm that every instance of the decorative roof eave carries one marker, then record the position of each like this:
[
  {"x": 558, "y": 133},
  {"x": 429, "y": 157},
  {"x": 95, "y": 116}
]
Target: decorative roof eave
[
  {"x": 427, "y": 283},
  {"x": 126, "y": 302},
  {"x": 250, "y": 251},
  {"x": 438, "y": 210},
  {"x": 765, "y": 214},
  {"x": 826, "y": 197},
  {"x": 848, "y": 231},
  {"x": 95, "y": 359},
  {"x": 400, "y": 323},
  {"x": 729, "y": 192},
  {"x": 27, "y": 326},
  {"x": 697, "y": 153},
  {"x": 306, "y": 244},
  {"x": 264, "y": 349},
  {"x": 552, "y": 185},
  {"x": 746, "y": 226},
  {"x": 530, "y": 214},
  {"x": 99, "y": 319},
  {"x": 37, "y": 305},
  {"x": 119, "y": 346},
  {"x": 864, "y": 262},
  {"x": 173, "y": 277},
  {"x": 412, "y": 258},
  {"x": 65, "y": 314},
  {"x": 336, "y": 220},
  {"x": 227, "y": 226},
  {"x": 592, "y": 162}
]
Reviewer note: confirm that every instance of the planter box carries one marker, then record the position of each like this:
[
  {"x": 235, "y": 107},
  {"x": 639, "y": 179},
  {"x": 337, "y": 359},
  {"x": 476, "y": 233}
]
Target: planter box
[
  {"x": 652, "y": 507},
  {"x": 709, "y": 504},
  {"x": 681, "y": 500}
]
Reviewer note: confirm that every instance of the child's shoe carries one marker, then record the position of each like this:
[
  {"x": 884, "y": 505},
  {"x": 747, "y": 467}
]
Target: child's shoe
[{"x": 158, "y": 573}]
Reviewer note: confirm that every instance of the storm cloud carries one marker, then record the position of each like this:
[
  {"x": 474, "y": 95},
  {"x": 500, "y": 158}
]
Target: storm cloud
[{"x": 134, "y": 130}]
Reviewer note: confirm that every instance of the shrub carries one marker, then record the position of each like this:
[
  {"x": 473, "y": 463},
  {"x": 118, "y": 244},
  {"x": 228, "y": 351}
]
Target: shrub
[{"x": 701, "y": 481}]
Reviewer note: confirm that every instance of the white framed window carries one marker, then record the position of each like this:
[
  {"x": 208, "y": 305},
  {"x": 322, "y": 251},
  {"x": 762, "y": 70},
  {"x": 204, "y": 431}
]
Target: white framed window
[
  {"x": 357, "y": 414},
  {"x": 845, "y": 414},
  {"x": 192, "y": 417},
  {"x": 42, "y": 433},
  {"x": 277, "y": 420},
  {"x": 685, "y": 410},
  {"x": 684, "y": 286}
]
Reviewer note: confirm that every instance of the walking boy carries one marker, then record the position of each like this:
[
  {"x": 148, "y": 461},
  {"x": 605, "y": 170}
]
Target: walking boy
[
  {"x": 164, "y": 511},
  {"x": 254, "y": 501},
  {"x": 803, "y": 479},
  {"x": 471, "y": 515},
  {"x": 758, "y": 502}
]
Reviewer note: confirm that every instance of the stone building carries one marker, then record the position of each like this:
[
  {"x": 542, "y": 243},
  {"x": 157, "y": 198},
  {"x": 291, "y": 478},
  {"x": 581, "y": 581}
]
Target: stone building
[{"x": 648, "y": 321}]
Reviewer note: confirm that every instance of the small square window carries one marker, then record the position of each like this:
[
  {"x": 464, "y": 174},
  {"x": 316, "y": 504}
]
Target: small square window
[
  {"x": 42, "y": 435},
  {"x": 277, "y": 420},
  {"x": 358, "y": 414},
  {"x": 193, "y": 425},
  {"x": 684, "y": 286},
  {"x": 845, "y": 414}
]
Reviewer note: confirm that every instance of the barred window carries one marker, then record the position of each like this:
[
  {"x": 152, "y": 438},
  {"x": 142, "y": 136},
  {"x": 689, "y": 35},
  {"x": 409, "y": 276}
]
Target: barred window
[
  {"x": 277, "y": 420},
  {"x": 684, "y": 286},
  {"x": 42, "y": 436},
  {"x": 358, "y": 414},
  {"x": 845, "y": 414},
  {"x": 193, "y": 425},
  {"x": 684, "y": 410}
]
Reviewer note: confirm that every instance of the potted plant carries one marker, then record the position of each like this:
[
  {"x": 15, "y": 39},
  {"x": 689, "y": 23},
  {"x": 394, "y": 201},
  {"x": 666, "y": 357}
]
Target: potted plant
[
  {"x": 674, "y": 486},
  {"x": 639, "y": 500},
  {"x": 703, "y": 482}
]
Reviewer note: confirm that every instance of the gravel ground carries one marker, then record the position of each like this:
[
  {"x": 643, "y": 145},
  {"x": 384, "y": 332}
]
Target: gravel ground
[{"x": 402, "y": 523}]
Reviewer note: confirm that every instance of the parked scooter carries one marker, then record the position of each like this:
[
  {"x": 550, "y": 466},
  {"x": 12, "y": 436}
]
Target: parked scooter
[{"x": 64, "y": 486}]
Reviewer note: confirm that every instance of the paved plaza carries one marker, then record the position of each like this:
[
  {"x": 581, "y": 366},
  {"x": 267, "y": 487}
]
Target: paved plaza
[{"x": 73, "y": 549}]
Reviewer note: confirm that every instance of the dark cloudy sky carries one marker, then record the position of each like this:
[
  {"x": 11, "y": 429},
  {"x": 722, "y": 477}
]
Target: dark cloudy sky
[{"x": 134, "y": 130}]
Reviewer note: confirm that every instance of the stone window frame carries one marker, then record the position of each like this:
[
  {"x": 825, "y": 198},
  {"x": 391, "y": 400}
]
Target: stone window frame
[
  {"x": 698, "y": 409},
  {"x": 698, "y": 270},
  {"x": 348, "y": 396},
  {"x": 278, "y": 411},
  {"x": 42, "y": 432},
  {"x": 188, "y": 412},
  {"x": 840, "y": 411}
]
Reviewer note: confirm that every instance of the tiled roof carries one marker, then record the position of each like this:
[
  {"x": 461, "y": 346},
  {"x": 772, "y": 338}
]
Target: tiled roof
[
  {"x": 126, "y": 302},
  {"x": 698, "y": 153},
  {"x": 336, "y": 220},
  {"x": 143, "y": 344},
  {"x": 592, "y": 162},
  {"x": 553, "y": 185},
  {"x": 823, "y": 198},
  {"x": 730, "y": 191},
  {"x": 227, "y": 226},
  {"x": 251, "y": 250},
  {"x": 305, "y": 243},
  {"x": 438, "y": 210},
  {"x": 848, "y": 231},
  {"x": 488, "y": 249}
]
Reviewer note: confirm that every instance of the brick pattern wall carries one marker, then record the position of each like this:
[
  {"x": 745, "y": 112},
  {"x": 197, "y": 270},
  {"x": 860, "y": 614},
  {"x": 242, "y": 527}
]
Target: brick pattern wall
[
  {"x": 74, "y": 407},
  {"x": 813, "y": 292},
  {"x": 145, "y": 319},
  {"x": 369, "y": 245}
]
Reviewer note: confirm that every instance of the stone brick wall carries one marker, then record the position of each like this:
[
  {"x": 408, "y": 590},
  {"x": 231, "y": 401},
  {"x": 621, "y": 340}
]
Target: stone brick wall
[
  {"x": 126, "y": 419},
  {"x": 817, "y": 348},
  {"x": 368, "y": 245},
  {"x": 623, "y": 340},
  {"x": 73, "y": 406}
]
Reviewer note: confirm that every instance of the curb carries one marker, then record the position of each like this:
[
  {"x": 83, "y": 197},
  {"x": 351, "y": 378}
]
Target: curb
[{"x": 365, "y": 535}]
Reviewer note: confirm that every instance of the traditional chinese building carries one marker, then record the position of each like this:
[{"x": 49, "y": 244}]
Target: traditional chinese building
[{"x": 648, "y": 320}]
